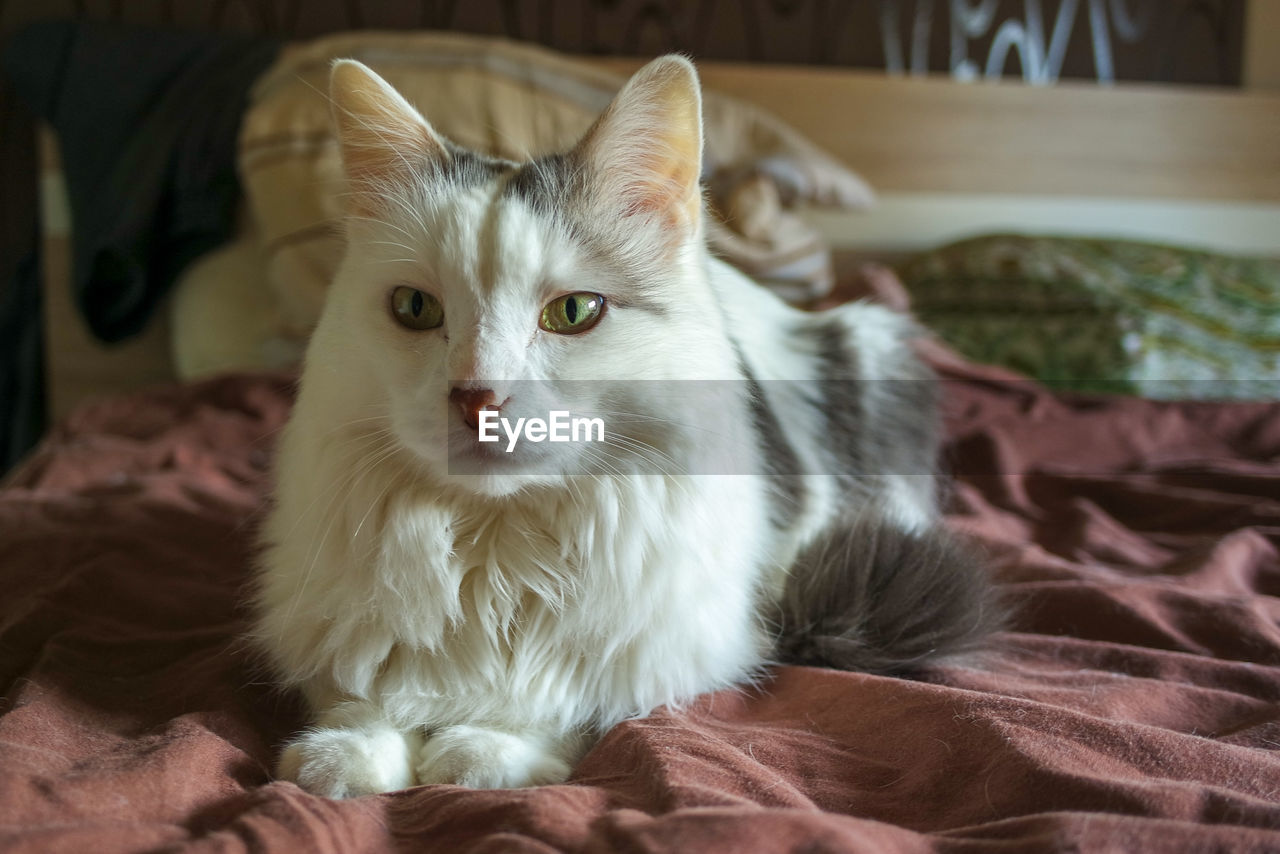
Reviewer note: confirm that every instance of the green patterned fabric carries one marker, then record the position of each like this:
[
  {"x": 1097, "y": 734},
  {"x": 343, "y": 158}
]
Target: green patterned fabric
[{"x": 1107, "y": 315}]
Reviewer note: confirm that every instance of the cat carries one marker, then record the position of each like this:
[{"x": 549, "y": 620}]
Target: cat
[{"x": 456, "y": 612}]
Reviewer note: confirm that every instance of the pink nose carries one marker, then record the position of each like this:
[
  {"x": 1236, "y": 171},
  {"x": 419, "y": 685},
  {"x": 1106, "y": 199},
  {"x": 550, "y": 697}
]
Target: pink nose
[{"x": 470, "y": 401}]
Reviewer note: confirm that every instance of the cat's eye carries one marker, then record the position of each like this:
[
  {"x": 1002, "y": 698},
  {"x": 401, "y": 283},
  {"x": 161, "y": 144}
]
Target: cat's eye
[
  {"x": 572, "y": 313},
  {"x": 416, "y": 309}
]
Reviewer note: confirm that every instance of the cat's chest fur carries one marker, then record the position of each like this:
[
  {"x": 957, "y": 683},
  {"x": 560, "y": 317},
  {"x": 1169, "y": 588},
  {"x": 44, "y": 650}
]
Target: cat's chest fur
[{"x": 590, "y": 604}]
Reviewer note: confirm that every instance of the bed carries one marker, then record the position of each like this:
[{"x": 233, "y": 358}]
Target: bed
[{"x": 1124, "y": 485}]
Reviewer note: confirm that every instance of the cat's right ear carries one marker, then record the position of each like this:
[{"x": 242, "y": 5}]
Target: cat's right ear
[
  {"x": 644, "y": 153},
  {"x": 385, "y": 142}
]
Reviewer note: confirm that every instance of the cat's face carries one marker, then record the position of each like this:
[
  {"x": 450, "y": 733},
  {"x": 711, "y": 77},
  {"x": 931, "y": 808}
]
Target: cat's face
[{"x": 476, "y": 290}]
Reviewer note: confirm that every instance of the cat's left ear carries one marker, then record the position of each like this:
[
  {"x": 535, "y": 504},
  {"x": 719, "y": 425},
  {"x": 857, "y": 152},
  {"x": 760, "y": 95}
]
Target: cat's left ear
[{"x": 645, "y": 151}]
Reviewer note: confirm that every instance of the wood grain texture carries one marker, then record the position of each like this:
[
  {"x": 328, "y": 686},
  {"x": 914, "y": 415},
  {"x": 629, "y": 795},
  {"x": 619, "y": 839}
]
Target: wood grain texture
[
  {"x": 936, "y": 135},
  {"x": 1262, "y": 46}
]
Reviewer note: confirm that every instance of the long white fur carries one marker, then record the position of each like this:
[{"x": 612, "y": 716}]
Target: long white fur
[{"x": 481, "y": 629}]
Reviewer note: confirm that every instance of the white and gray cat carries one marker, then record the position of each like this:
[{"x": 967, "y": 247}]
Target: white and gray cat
[{"x": 455, "y": 613}]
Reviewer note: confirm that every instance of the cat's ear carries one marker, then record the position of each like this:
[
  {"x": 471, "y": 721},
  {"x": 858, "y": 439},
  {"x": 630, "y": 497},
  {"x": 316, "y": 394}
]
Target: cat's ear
[
  {"x": 384, "y": 140},
  {"x": 645, "y": 150}
]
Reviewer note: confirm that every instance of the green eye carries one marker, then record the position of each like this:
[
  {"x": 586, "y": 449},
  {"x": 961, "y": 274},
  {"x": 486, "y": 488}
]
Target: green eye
[
  {"x": 572, "y": 313},
  {"x": 415, "y": 309}
]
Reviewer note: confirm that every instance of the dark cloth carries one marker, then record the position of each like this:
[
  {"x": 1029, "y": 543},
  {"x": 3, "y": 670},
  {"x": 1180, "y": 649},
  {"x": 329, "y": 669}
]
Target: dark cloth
[
  {"x": 22, "y": 387},
  {"x": 1134, "y": 705},
  {"x": 146, "y": 122},
  {"x": 22, "y": 418}
]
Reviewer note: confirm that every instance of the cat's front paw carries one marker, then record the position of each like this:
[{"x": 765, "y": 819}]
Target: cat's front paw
[
  {"x": 347, "y": 763},
  {"x": 489, "y": 759}
]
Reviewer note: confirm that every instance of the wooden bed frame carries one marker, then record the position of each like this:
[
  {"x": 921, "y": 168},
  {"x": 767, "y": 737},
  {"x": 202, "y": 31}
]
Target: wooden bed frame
[
  {"x": 1192, "y": 166},
  {"x": 933, "y": 134},
  {"x": 1163, "y": 163}
]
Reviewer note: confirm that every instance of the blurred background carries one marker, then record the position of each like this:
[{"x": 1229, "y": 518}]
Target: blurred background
[{"x": 1016, "y": 160}]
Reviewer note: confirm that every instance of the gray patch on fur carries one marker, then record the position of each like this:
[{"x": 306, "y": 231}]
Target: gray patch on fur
[
  {"x": 543, "y": 184},
  {"x": 554, "y": 187},
  {"x": 868, "y": 596},
  {"x": 466, "y": 168},
  {"x": 885, "y": 425},
  {"x": 781, "y": 463},
  {"x": 906, "y": 433},
  {"x": 839, "y": 401}
]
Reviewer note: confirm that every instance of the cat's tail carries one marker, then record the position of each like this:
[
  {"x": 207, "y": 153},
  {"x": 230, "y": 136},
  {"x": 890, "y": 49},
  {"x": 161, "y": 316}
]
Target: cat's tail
[{"x": 872, "y": 597}]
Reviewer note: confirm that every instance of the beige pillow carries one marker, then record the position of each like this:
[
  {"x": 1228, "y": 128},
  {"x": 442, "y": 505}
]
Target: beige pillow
[{"x": 515, "y": 101}]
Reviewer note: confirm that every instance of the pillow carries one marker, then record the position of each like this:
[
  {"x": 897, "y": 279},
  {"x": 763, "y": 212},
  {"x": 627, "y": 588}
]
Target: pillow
[
  {"x": 513, "y": 100},
  {"x": 1107, "y": 315}
]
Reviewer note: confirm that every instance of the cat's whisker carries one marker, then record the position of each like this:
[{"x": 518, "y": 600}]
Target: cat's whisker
[
  {"x": 391, "y": 481},
  {"x": 407, "y": 206},
  {"x": 393, "y": 243},
  {"x": 344, "y": 487},
  {"x": 363, "y": 438},
  {"x": 352, "y": 476},
  {"x": 372, "y": 463},
  {"x": 646, "y": 451},
  {"x": 381, "y": 223},
  {"x": 624, "y": 417},
  {"x": 347, "y": 425},
  {"x": 601, "y": 458}
]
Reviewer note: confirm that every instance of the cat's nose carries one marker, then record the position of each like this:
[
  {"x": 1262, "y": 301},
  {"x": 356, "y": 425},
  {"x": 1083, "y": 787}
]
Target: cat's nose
[{"x": 471, "y": 401}]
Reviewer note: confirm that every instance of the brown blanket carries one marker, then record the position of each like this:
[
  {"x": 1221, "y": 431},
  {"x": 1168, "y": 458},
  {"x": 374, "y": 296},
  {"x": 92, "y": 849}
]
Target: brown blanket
[{"x": 1135, "y": 707}]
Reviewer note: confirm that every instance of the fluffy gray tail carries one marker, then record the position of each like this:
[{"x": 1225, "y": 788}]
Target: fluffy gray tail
[{"x": 870, "y": 597}]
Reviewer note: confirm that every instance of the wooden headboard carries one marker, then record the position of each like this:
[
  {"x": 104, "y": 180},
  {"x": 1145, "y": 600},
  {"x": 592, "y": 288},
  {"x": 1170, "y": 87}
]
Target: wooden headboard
[
  {"x": 1189, "y": 165},
  {"x": 1182, "y": 165}
]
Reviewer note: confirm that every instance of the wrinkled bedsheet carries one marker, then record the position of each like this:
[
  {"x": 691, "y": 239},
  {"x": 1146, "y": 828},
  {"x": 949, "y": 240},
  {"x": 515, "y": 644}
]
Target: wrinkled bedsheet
[{"x": 1134, "y": 704}]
